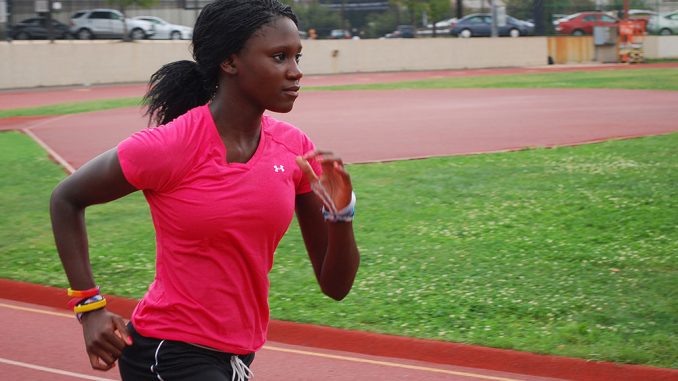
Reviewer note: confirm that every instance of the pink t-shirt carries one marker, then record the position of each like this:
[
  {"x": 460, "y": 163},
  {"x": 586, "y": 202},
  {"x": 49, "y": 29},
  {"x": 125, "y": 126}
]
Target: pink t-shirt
[{"x": 217, "y": 226}]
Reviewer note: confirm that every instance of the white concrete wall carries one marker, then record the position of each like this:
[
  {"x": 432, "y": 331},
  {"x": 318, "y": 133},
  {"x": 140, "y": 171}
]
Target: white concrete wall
[
  {"x": 660, "y": 47},
  {"x": 39, "y": 63}
]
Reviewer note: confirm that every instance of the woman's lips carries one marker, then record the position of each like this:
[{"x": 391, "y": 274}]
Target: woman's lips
[{"x": 292, "y": 91}]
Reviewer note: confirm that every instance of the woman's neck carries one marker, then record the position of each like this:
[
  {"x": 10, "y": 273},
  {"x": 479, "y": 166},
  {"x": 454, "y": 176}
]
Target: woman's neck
[{"x": 239, "y": 127}]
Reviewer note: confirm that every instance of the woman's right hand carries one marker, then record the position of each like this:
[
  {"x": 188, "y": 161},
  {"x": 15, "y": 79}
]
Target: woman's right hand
[{"x": 105, "y": 337}]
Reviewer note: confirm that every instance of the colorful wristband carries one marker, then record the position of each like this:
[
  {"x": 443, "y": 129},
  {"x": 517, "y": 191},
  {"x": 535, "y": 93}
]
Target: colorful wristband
[
  {"x": 83, "y": 293},
  {"x": 90, "y": 307}
]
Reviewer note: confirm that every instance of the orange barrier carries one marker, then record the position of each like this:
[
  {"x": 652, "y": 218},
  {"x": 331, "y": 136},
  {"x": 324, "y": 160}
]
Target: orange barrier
[{"x": 631, "y": 38}]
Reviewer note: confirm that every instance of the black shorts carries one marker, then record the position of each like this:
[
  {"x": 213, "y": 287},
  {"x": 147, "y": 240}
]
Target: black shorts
[{"x": 155, "y": 359}]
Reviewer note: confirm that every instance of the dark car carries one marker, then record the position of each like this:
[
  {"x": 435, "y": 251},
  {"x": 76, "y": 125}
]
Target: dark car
[
  {"x": 480, "y": 25},
  {"x": 36, "y": 28},
  {"x": 403, "y": 31}
]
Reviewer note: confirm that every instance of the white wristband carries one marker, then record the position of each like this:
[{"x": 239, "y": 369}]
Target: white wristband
[{"x": 344, "y": 215}]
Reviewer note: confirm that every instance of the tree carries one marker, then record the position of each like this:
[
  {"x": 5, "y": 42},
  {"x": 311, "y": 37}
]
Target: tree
[
  {"x": 437, "y": 11},
  {"x": 315, "y": 16}
]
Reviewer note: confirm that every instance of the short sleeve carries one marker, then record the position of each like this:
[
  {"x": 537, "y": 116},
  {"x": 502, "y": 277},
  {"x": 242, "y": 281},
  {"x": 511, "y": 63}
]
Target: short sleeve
[
  {"x": 304, "y": 186},
  {"x": 151, "y": 159}
]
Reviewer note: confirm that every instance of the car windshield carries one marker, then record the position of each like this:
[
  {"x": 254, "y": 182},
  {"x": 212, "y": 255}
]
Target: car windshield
[{"x": 570, "y": 17}]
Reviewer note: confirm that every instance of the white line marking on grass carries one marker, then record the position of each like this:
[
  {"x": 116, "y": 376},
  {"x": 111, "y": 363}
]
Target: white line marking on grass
[
  {"x": 65, "y": 164},
  {"x": 53, "y": 370}
]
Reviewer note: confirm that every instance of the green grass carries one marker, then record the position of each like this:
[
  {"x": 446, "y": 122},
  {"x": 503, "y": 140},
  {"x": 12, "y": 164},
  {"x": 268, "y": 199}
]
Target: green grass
[
  {"x": 72, "y": 108},
  {"x": 647, "y": 79},
  {"x": 570, "y": 251}
]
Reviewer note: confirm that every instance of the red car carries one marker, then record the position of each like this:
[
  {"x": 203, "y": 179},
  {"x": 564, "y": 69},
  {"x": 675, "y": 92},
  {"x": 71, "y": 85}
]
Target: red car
[{"x": 582, "y": 23}]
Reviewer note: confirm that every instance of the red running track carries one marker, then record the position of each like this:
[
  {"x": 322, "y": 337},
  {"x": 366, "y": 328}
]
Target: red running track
[
  {"x": 42, "y": 343},
  {"x": 43, "y": 340},
  {"x": 364, "y": 126},
  {"x": 20, "y": 98}
]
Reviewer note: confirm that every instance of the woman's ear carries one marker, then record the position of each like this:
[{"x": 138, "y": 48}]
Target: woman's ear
[{"x": 228, "y": 66}]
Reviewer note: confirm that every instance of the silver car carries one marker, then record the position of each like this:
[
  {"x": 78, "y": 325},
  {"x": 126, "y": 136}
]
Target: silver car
[
  {"x": 108, "y": 23},
  {"x": 664, "y": 24},
  {"x": 167, "y": 31}
]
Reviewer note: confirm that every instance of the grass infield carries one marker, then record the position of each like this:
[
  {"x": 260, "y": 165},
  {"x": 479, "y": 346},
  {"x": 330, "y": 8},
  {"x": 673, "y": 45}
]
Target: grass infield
[{"x": 570, "y": 251}]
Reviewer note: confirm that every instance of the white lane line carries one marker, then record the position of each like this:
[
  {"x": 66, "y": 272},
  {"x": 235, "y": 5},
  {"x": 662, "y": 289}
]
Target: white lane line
[
  {"x": 391, "y": 364},
  {"x": 58, "y": 158},
  {"x": 12, "y": 307},
  {"x": 53, "y": 370},
  {"x": 317, "y": 354}
]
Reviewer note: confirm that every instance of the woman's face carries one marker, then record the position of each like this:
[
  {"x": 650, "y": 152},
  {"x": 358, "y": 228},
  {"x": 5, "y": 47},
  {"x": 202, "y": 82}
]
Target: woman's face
[{"x": 267, "y": 68}]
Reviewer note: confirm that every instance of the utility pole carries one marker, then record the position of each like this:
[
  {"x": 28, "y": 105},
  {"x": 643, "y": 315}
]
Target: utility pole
[
  {"x": 538, "y": 17},
  {"x": 493, "y": 8},
  {"x": 460, "y": 9},
  {"x": 50, "y": 27},
  {"x": 343, "y": 15}
]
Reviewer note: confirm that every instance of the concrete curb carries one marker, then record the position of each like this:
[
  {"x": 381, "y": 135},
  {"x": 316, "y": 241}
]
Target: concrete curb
[{"x": 391, "y": 346}]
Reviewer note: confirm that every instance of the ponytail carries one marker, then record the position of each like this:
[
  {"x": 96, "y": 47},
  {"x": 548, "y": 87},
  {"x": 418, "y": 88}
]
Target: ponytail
[{"x": 174, "y": 89}]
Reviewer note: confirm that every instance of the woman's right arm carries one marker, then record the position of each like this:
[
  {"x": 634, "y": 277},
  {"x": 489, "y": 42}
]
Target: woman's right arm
[{"x": 99, "y": 181}]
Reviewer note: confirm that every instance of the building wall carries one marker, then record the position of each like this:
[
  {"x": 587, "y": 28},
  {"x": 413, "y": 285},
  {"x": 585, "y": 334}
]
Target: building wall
[
  {"x": 39, "y": 63},
  {"x": 660, "y": 47}
]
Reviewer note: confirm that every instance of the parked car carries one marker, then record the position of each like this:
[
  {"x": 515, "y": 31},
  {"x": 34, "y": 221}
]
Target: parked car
[
  {"x": 339, "y": 34},
  {"x": 167, "y": 31},
  {"x": 442, "y": 28},
  {"x": 583, "y": 23},
  {"x": 108, "y": 23},
  {"x": 480, "y": 25},
  {"x": 444, "y": 24},
  {"x": 403, "y": 31},
  {"x": 664, "y": 24},
  {"x": 37, "y": 28}
]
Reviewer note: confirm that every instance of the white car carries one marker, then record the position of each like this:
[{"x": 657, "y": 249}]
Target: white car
[
  {"x": 108, "y": 23},
  {"x": 665, "y": 24},
  {"x": 167, "y": 31}
]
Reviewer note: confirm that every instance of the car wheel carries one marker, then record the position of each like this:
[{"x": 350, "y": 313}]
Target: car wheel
[
  {"x": 22, "y": 36},
  {"x": 84, "y": 34},
  {"x": 466, "y": 33},
  {"x": 137, "y": 34},
  {"x": 175, "y": 35},
  {"x": 578, "y": 32},
  {"x": 514, "y": 33},
  {"x": 666, "y": 32}
]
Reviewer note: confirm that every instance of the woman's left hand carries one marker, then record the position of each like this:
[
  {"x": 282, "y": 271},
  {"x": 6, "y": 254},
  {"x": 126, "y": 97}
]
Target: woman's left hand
[{"x": 333, "y": 187}]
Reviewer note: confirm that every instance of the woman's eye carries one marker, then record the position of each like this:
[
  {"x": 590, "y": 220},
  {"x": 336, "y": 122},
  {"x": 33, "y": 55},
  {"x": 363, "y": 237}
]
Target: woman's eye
[
  {"x": 298, "y": 57},
  {"x": 280, "y": 57}
]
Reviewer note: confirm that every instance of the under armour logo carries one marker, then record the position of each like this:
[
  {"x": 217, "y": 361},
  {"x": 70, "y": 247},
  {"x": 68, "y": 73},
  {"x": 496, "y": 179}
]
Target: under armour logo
[{"x": 279, "y": 168}]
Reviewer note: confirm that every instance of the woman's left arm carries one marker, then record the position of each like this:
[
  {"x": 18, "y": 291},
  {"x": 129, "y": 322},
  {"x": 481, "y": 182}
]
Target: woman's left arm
[{"x": 331, "y": 246}]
